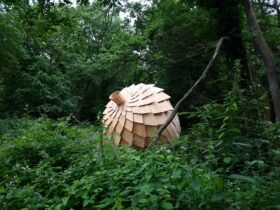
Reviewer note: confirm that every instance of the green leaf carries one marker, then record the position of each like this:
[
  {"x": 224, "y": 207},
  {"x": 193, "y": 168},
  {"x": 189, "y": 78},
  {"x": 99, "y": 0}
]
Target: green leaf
[
  {"x": 166, "y": 205},
  {"x": 221, "y": 135},
  {"x": 143, "y": 200},
  {"x": 146, "y": 189},
  {"x": 241, "y": 177},
  {"x": 105, "y": 203},
  {"x": 196, "y": 185},
  {"x": 217, "y": 197},
  {"x": 219, "y": 182},
  {"x": 227, "y": 160}
]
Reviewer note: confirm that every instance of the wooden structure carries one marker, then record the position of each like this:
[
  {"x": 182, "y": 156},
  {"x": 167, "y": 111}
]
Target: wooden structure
[{"x": 135, "y": 113}]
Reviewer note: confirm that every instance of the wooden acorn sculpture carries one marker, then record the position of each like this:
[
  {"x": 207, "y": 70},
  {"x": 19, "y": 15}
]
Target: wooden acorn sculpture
[{"x": 135, "y": 113}]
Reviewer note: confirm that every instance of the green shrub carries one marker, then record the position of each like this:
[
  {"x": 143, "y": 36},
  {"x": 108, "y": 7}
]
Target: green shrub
[
  {"x": 53, "y": 165},
  {"x": 13, "y": 127}
]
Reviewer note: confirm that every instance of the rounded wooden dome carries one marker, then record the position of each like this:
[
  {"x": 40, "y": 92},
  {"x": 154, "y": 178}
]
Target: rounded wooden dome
[{"x": 135, "y": 113}]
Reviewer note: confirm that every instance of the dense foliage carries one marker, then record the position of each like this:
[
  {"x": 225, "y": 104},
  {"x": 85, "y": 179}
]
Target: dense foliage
[
  {"x": 52, "y": 165},
  {"x": 58, "y": 59},
  {"x": 59, "y": 62}
]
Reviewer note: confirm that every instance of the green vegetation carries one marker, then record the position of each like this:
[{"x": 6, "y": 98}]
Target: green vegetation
[
  {"x": 60, "y": 61},
  {"x": 52, "y": 165}
]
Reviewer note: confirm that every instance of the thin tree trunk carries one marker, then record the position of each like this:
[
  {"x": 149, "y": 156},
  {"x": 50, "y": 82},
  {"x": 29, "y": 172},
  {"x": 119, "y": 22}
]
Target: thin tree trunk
[
  {"x": 267, "y": 56},
  {"x": 263, "y": 94},
  {"x": 193, "y": 88}
]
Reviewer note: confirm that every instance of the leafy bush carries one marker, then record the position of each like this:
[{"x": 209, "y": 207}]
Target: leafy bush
[
  {"x": 229, "y": 136},
  {"x": 52, "y": 165},
  {"x": 56, "y": 166},
  {"x": 13, "y": 127}
]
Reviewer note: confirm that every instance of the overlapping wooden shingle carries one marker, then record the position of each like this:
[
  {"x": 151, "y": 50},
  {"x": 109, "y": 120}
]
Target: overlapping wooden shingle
[{"x": 134, "y": 114}]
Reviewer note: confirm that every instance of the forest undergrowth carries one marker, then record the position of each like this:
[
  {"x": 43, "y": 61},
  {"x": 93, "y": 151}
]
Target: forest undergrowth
[{"x": 218, "y": 163}]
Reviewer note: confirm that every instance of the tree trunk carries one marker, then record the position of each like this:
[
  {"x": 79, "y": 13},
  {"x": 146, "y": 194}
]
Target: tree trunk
[{"x": 267, "y": 56}]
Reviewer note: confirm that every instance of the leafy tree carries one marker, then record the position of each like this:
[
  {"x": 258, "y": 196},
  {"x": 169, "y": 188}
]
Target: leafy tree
[{"x": 73, "y": 61}]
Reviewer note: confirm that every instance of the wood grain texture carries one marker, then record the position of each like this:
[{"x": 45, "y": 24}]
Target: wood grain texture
[{"x": 135, "y": 122}]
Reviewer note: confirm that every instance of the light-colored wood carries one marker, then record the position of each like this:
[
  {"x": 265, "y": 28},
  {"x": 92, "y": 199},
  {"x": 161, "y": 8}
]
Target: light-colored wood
[
  {"x": 139, "y": 141},
  {"x": 150, "y": 130},
  {"x": 149, "y": 119},
  {"x": 113, "y": 125},
  {"x": 108, "y": 121},
  {"x": 119, "y": 127},
  {"x": 160, "y": 118},
  {"x": 139, "y": 129},
  {"x": 161, "y": 97},
  {"x": 138, "y": 118},
  {"x": 157, "y": 108},
  {"x": 136, "y": 110},
  {"x": 117, "y": 139},
  {"x": 128, "y": 125},
  {"x": 117, "y": 97},
  {"x": 145, "y": 109},
  {"x": 129, "y": 115},
  {"x": 119, "y": 113},
  {"x": 127, "y": 136},
  {"x": 134, "y": 117}
]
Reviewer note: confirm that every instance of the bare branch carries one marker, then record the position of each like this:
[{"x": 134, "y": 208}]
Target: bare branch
[{"x": 193, "y": 88}]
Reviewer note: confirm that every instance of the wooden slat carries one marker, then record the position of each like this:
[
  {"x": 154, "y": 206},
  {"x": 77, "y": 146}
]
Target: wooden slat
[
  {"x": 123, "y": 112},
  {"x": 157, "y": 90},
  {"x": 146, "y": 94},
  {"x": 129, "y": 115},
  {"x": 108, "y": 122},
  {"x": 107, "y": 110},
  {"x": 105, "y": 117},
  {"x": 110, "y": 114},
  {"x": 127, "y": 136},
  {"x": 156, "y": 108},
  {"x": 117, "y": 139},
  {"x": 139, "y": 141},
  {"x": 136, "y": 110},
  {"x": 139, "y": 129},
  {"x": 161, "y": 97},
  {"x": 145, "y": 109},
  {"x": 172, "y": 132},
  {"x": 128, "y": 125},
  {"x": 129, "y": 109},
  {"x": 138, "y": 118},
  {"x": 166, "y": 106},
  {"x": 130, "y": 89},
  {"x": 146, "y": 101},
  {"x": 166, "y": 136},
  {"x": 119, "y": 127},
  {"x": 114, "y": 113},
  {"x": 113, "y": 125},
  {"x": 149, "y": 119},
  {"x": 175, "y": 129},
  {"x": 151, "y": 130},
  {"x": 110, "y": 104},
  {"x": 160, "y": 118},
  {"x": 136, "y": 89}
]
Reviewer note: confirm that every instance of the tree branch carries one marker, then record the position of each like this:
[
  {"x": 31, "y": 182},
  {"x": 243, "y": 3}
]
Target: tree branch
[
  {"x": 193, "y": 88},
  {"x": 267, "y": 56}
]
